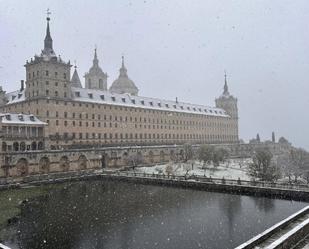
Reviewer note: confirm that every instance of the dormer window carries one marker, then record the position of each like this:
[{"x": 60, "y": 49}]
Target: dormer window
[
  {"x": 175, "y": 106},
  {"x": 90, "y": 95},
  {"x": 8, "y": 117},
  {"x": 159, "y": 104},
  {"x": 150, "y": 103},
  {"x": 200, "y": 109},
  {"x": 13, "y": 97},
  {"x": 133, "y": 101},
  {"x": 77, "y": 94},
  {"x": 166, "y": 105},
  {"x": 210, "y": 111},
  {"x": 21, "y": 117},
  {"x": 181, "y": 107},
  {"x": 32, "y": 118},
  {"x": 188, "y": 108},
  {"x": 102, "y": 97},
  {"x": 123, "y": 100},
  {"x": 19, "y": 95},
  {"x": 194, "y": 109},
  {"x": 113, "y": 99},
  {"x": 142, "y": 102},
  {"x": 216, "y": 112},
  {"x": 205, "y": 110}
]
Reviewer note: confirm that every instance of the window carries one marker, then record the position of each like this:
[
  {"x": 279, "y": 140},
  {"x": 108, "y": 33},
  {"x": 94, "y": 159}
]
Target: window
[
  {"x": 56, "y": 93},
  {"x": 56, "y": 83},
  {"x": 113, "y": 99},
  {"x": 133, "y": 101},
  {"x": 142, "y": 102},
  {"x": 64, "y": 75},
  {"x": 77, "y": 94},
  {"x": 90, "y": 95},
  {"x": 102, "y": 97},
  {"x": 47, "y": 83},
  {"x": 123, "y": 100},
  {"x": 46, "y": 73}
]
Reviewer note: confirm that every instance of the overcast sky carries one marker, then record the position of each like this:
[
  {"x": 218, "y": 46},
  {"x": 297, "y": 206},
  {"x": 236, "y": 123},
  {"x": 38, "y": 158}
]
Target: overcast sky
[{"x": 180, "y": 48}]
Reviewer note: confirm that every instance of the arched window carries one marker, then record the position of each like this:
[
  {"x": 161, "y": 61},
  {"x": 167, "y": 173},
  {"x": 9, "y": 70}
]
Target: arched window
[
  {"x": 16, "y": 146},
  {"x": 4, "y": 146},
  {"x": 33, "y": 146}
]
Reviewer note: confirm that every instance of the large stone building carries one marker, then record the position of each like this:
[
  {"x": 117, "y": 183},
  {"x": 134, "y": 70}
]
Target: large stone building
[{"x": 98, "y": 116}]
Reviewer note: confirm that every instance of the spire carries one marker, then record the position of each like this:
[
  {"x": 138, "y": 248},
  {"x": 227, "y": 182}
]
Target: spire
[
  {"x": 225, "y": 89},
  {"x": 123, "y": 70},
  {"x": 75, "y": 81},
  {"x": 48, "y": 41},
  {"x": 95, "y": 59}
]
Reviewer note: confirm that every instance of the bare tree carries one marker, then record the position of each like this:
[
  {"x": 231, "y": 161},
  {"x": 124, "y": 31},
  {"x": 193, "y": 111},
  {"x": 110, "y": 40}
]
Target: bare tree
[
  {"x": 188, "y": 152},
  {"x": 263, "y": 166},
  {"x": 135, "y": 159}
]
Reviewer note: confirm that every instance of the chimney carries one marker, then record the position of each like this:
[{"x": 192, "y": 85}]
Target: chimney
[
  {"x": 176, "y": 100},
  {"x": 22, "y": 87}
]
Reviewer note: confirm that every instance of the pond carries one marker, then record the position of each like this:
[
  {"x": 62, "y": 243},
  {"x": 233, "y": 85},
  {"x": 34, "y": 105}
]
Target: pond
[{"x": 126, "y": 215}]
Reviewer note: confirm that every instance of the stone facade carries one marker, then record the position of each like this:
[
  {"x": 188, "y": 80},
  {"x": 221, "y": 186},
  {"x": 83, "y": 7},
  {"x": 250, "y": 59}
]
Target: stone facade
[{"x": 94, "y": 116}]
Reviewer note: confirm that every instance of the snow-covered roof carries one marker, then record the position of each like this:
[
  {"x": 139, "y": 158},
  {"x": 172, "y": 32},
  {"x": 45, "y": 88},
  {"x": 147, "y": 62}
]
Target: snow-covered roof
[
  {"x": 24, "y": 119},
  {"x": 127, "y": 100},
  {"x": 15, "y": 96}
]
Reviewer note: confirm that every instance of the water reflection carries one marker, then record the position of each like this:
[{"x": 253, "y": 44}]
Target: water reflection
[{"x": 124, "y": 215}]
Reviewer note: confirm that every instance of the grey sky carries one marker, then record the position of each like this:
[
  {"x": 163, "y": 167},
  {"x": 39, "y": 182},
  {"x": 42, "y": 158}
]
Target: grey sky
[{"x": 180, "y": 48}]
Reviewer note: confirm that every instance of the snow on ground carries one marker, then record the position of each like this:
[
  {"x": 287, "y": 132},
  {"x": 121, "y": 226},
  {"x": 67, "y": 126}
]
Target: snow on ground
[{"x": 231, "y": 169}]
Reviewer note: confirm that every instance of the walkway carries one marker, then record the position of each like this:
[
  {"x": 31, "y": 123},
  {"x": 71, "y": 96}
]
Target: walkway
[{"x": 285, "y": 234}]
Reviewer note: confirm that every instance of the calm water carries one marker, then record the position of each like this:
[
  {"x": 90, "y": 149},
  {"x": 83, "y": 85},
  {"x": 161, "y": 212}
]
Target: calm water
[{"x": 124, "y": 215}]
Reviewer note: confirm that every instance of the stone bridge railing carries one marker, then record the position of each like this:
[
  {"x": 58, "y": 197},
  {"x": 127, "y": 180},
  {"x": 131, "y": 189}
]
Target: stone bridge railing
[{"x": 256, "y": 188}]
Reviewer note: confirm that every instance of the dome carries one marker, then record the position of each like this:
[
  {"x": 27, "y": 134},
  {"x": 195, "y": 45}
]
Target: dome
[{"x": 123, "y": 84}]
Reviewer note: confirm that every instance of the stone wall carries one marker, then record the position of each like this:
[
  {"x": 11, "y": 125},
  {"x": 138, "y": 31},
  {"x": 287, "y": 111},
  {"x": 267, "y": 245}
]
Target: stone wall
[{"x": 42, "y": 162}]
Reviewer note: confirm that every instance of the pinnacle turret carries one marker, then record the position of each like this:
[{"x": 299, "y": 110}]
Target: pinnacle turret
[{"x": 48, "y": 41}]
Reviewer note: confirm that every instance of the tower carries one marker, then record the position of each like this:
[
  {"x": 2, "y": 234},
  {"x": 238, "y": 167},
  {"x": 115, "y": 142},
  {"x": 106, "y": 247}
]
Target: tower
[
  {"x": 47, "y": 75},
  {"x": 96, "y": 78},
  {"x": 227, "y": 102},
  {"x": 123, "y": 84}
]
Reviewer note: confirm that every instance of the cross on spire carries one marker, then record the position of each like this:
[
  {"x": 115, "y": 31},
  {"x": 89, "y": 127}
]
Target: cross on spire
[{"x": 48, "y": 13}]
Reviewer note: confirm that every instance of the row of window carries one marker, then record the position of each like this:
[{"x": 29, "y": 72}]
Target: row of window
[
  {"x": 115, "y": 125},
  {"x": 146, "y": 136},
  {"x": 45, "y": 74}
]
